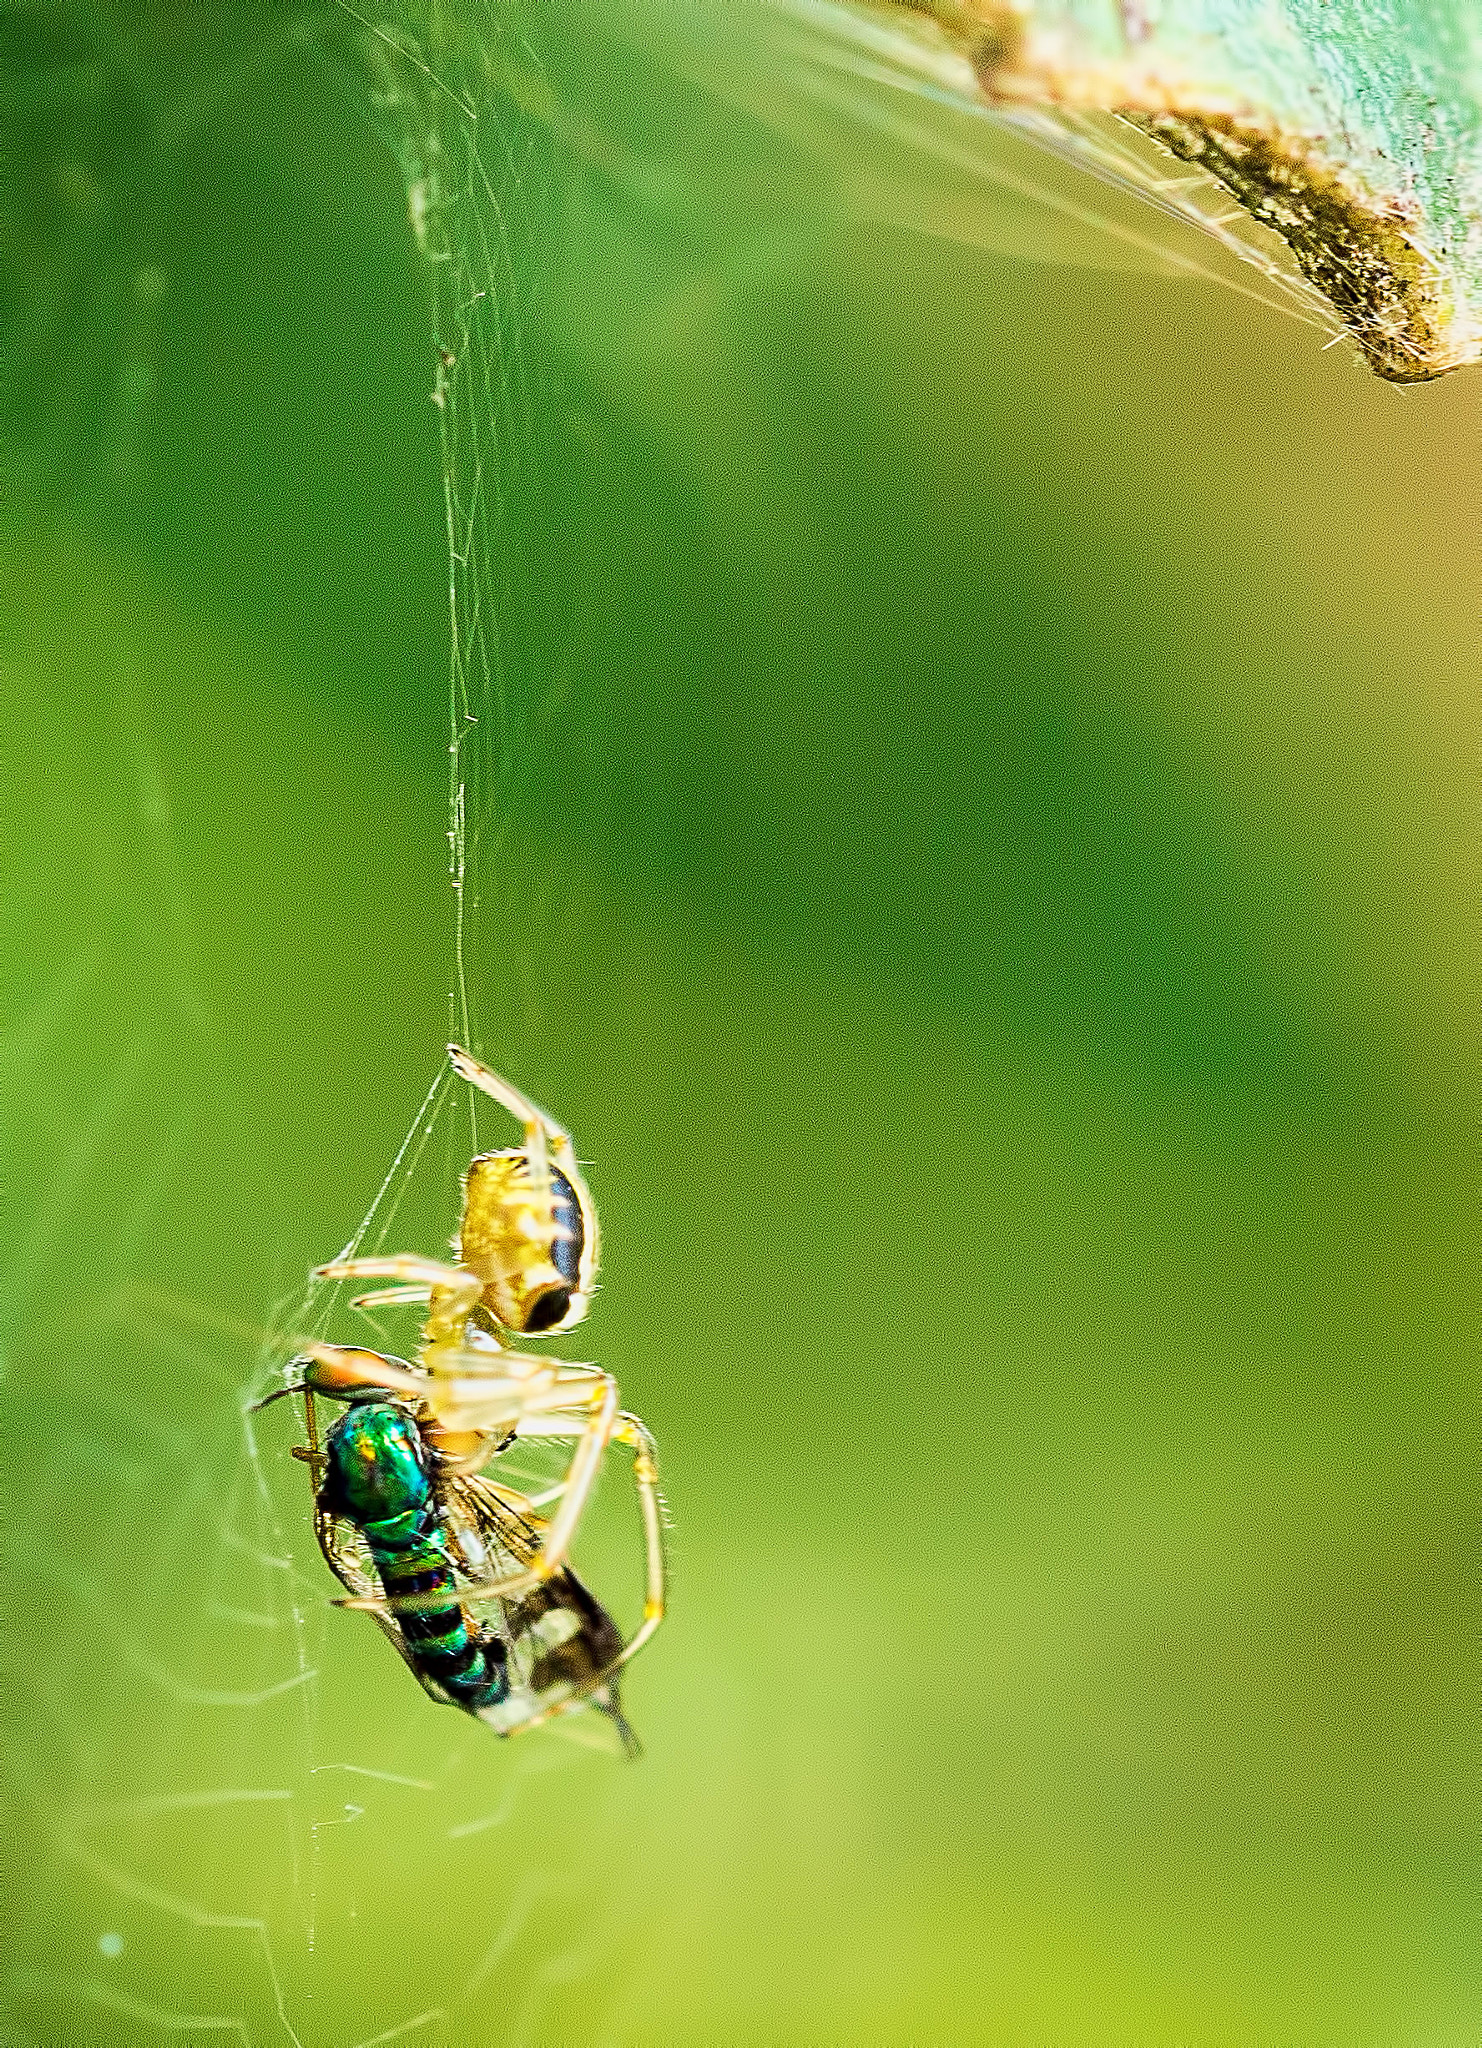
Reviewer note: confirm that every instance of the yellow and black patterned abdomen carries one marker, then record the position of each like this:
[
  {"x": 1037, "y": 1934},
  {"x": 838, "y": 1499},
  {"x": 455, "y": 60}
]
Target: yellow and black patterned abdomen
[{"x": 526, "y": 1238}]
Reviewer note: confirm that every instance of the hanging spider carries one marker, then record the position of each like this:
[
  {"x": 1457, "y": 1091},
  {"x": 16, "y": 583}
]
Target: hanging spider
[{"x": 466, "y": 1577}]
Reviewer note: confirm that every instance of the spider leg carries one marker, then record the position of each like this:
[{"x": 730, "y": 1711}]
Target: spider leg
[
  {"x": 488, "y": 1391},
  {"x": 542, "y": 1133},
  {"x": 462, "y": 1412},
  {"x": 520, "y": 1107},
  {"x": 392, "y": 1297},
  {"x": 408, "y": 1269},
  {"x": 589, "y": 1416},
  {"x": 600, "y": 1401},
  {"x": 627, "y": 1429},
  {"x": 453, "y": 1291},
  {"x": 635, "y": 1434},
  {"x": 630, "y": 1431}
]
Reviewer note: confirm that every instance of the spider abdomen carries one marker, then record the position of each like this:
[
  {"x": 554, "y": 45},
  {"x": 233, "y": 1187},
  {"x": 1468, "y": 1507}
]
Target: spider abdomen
[{"x": 530, "y": 1240}]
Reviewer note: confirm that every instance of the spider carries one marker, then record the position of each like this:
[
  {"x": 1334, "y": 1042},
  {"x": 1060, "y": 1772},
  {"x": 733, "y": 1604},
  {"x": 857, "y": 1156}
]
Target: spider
[{"x": 527, "y": 1249}]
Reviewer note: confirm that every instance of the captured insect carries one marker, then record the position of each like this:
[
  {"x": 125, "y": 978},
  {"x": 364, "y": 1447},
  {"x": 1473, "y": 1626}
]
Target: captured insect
[{"x": 466, "y": 1576}]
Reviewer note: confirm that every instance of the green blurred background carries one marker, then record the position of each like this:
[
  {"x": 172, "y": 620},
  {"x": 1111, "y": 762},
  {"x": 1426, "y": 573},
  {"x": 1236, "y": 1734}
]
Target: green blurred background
[{"x": 974, "y": 829}]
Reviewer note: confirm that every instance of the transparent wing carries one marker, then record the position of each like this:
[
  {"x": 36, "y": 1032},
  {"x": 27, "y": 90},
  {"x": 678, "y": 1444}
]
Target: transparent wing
[
  {"x": 561, "y": 1640},
  {"x": 347, "y": 1557}
]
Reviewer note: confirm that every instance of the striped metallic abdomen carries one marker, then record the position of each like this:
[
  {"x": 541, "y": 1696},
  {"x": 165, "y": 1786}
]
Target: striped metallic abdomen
[
  {"x": 465, "y": 1661},
  {"x": 377, "y": 1476}
]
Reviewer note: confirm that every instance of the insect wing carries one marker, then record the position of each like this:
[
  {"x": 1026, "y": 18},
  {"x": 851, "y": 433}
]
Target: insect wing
[
  {"x": 345, "y": 1554},
  {"x": 561, "y": 1641}
]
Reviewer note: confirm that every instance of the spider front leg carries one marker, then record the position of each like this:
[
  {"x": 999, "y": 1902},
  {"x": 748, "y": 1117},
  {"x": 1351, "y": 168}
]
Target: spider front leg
[
  {"x": 601, "y": 1424},
  {"x": 541, "y": 1131},
  {"x": 590, "y": 1415},
  {"x": 459, "y": 1370}
]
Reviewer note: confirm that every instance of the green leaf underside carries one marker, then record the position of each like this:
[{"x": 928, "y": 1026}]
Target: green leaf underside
[{"x": 1351, "y": 128}]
